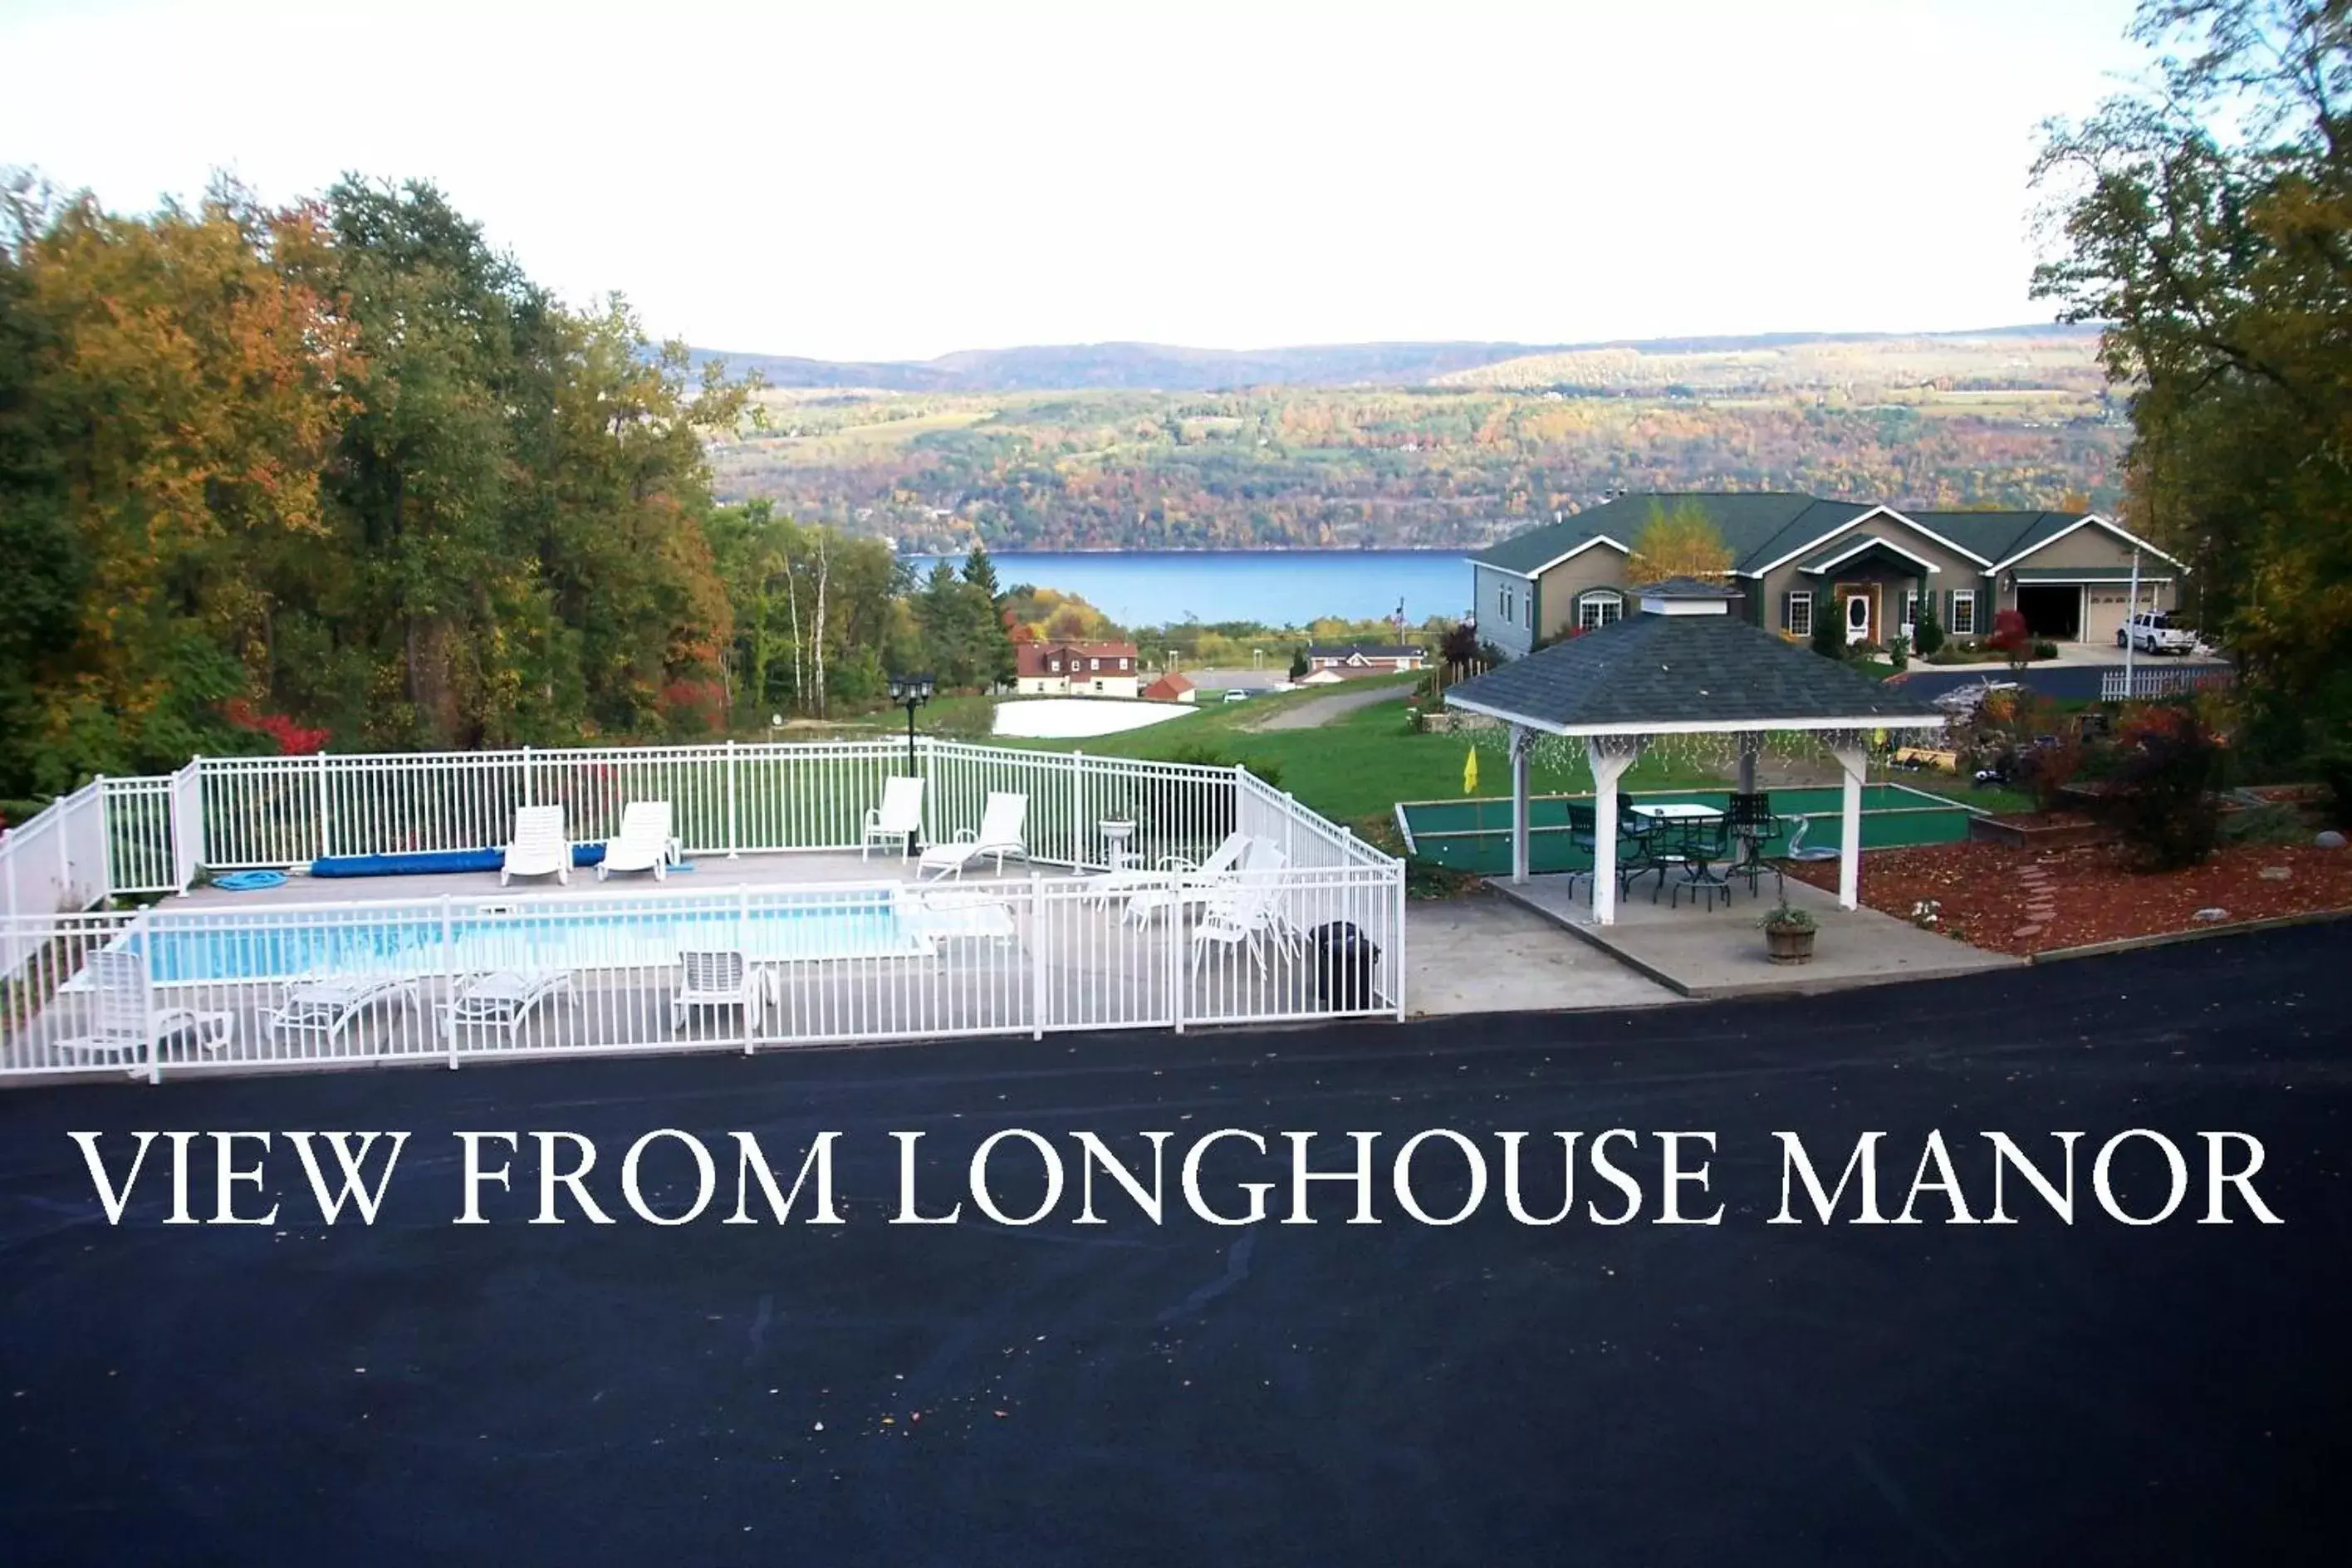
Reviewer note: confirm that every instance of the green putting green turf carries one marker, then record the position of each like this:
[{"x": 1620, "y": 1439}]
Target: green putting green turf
[{"x": 1475, "y": 836}]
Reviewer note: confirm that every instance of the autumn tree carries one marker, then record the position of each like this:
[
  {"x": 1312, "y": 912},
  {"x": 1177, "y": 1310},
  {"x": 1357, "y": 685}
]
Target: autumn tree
[
  {"x": 2208, "y": 221},
  {"x": 1682, "y": 542},
  {"x": 175, "y": 392}
]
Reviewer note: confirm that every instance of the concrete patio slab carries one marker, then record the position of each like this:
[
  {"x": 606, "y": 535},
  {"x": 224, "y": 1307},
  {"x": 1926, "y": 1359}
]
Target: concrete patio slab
[
  {"x": 1699, "y": 952},
  {"x": 1487, "y": 954}
]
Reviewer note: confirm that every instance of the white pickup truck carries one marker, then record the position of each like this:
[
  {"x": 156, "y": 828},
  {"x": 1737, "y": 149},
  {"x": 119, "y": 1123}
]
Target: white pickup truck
[{"x": 2152, "y": 631}]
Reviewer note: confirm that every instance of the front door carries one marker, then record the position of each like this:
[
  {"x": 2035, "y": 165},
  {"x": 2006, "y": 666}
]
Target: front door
[{"x": 1857, "y": 615}]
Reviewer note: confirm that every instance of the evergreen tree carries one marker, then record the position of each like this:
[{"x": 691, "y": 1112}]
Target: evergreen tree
[
  {"x": 1002, "y": 665},
  {"x": 1928, "y": 632},
  {"x": 1828, "y": 627}
]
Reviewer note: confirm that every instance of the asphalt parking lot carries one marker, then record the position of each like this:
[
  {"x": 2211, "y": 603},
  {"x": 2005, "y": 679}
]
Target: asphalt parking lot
[{"x": 1493, "y": 1392}]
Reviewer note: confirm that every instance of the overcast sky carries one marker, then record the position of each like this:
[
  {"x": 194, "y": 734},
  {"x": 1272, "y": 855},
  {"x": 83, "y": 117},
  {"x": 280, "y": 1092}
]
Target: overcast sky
[{"x": 889, "y": 180}]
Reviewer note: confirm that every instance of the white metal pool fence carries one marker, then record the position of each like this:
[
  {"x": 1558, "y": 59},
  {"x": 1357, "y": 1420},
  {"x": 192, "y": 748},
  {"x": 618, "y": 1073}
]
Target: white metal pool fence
[{"x": 1056, "y": 953}]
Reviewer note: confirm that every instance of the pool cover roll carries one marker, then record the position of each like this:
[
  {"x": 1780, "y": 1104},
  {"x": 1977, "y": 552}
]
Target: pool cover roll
[{"x": 429, "y": 861}]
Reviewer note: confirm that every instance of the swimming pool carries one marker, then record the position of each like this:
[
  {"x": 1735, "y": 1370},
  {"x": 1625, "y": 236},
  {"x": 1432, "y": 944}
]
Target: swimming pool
[{"x": 420, "y": 940}]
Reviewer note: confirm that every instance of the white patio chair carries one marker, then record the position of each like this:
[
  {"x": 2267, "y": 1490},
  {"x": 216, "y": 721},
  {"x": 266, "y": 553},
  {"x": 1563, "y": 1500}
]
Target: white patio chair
[
  {"x": 322, "y": 1008},
  {"x": 539, "y": 848},
  {"x": 1002, "y": 825},
  {"x": 719, "y": 979},
  {"x": 500, "y": 1003},
  {"x": 125, "y": 1024},
  {"x": 1202, "y": 882},
  {"x": 899, "y": 816},
  {"x": 1140, "y": 881},
  {"x": 1244, "y": 911},
  {"x": 644, "y": 843}
]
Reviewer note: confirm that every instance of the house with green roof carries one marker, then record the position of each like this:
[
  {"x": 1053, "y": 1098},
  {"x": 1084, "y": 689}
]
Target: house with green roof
[{"x": 1869, "y": 564}]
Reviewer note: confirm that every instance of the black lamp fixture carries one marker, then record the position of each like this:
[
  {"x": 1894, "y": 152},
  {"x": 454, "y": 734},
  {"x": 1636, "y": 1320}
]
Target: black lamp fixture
[{"x": 910, "y": 692}]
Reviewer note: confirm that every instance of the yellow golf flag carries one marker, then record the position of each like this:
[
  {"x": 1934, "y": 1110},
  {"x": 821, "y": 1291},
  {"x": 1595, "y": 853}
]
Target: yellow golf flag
[{"x": 1470, "y": 772}]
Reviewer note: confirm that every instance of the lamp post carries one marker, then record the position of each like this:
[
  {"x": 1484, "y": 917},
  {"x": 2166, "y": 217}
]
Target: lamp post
[{"x": 910, "y": 692}]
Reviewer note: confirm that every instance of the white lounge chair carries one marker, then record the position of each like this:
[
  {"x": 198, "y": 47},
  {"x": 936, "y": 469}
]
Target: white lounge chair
[
  {"x": 939, "y": 915},
  {"x": 499, "y": 1002},
  {"x": 1243, "y": 912},
  {"x": 322, "y": 1008},
  {"x": 720, "y": 979},
  {"x": 1198, "y": 884},
  {"x": 644, "y": 843},
  {"x": 899, "y": 816},
  {"x": 1001, "y": 826},
  {"x": 539, "y": 848},
  {"x": 125, "y": 1024},
  {"x": 1143, "y": 879}
]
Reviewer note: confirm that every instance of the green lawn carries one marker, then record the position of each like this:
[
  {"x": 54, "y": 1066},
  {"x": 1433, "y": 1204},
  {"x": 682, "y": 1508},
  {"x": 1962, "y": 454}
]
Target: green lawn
[
  {"x": 1363, "y": 763},
  {"x": 1359, "y": 765}
]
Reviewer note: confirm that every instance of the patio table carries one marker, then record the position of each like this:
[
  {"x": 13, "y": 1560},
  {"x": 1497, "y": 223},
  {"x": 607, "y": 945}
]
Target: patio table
[
  {"x": 1696, "y": 852},
  {"x": 1679, "y": 811}
]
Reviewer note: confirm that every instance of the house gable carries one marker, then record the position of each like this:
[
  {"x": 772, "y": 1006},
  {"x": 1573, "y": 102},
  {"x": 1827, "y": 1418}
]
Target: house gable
[
  {"x": 1883, "y": 520},
  {"x": 2090, "y": 540}
]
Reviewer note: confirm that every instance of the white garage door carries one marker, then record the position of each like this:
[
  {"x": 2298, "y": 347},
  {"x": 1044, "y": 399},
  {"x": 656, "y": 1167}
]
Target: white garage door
[{"x": 2104, "y": 606}]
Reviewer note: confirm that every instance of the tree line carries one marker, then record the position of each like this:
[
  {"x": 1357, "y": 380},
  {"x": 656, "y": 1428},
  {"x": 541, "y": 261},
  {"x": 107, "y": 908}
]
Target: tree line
[
  {"x": 340, "y": 471},
  {"x": 2207, "y": 221}
]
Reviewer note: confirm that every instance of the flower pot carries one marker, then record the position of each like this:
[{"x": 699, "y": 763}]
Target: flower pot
[{"x": 1790, "y": 944}]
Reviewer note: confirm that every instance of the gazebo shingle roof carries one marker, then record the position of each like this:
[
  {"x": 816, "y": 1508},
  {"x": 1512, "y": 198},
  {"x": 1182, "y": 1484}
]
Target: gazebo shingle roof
[{"x": 1669, "y": 673}]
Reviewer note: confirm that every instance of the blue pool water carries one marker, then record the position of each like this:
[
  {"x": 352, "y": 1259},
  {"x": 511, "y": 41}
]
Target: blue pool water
[{"x": 258, "y": 947}]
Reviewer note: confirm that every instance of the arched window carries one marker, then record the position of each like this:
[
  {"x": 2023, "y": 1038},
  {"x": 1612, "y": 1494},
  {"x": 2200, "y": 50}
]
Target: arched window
[{"x": 1596, "y": 608}]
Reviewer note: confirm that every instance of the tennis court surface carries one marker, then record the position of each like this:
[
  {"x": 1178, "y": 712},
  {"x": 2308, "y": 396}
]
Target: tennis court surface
[{"x": 1475, "y": 836}]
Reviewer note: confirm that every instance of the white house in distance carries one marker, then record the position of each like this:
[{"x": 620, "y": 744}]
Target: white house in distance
[
  {"x": 1347, "y": 661},
  {"x": 1076, "y": 668},
  {"x": 1172, "y": 686}
]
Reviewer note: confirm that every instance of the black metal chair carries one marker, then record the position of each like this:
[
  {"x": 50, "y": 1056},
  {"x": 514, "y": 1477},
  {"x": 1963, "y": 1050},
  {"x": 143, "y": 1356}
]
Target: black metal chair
[
  {"x": 1643, "y": 834},
  {"x": 1584, "y": 833},
  {"x": 1752, "y": 826},
  {"x": 1703, "y": 844}
]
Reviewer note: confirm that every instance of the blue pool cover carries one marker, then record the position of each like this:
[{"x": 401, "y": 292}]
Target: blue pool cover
[{"x": 432, "y": 860}]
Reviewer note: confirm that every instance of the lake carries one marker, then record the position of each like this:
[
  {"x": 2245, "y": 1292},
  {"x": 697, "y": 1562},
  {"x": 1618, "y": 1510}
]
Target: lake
[{"x": 1273, "y": 587}]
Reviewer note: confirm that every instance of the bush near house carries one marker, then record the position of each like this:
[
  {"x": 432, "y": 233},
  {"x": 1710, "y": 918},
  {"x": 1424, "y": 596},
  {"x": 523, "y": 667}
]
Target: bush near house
[
  {"x": 2167, "y": 761},
  {"x": 1829, "y": 628},
  {"x": 1926, "y": 632}
]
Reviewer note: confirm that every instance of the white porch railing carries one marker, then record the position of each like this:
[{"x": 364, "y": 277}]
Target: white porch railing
[
  {"x": 2117, "y": 684},
  {"x": 118, "y": 836}
]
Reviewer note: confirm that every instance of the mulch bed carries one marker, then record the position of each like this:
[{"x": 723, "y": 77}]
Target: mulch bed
[{"x": 2026, "y": 901}]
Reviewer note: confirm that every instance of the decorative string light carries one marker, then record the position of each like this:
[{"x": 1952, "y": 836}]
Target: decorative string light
[{"x": 1715, "y": 751}]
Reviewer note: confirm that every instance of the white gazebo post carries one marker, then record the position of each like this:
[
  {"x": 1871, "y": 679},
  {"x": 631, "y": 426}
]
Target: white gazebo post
[
  {"x": 1853, "y": 762},
  {"x": 1608, "y": 766},
  {"x": 1521, "y": 742}
]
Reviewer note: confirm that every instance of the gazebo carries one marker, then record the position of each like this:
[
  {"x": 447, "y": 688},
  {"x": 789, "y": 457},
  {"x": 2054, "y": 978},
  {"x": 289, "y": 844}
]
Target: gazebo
[{"x": 1685, "y": 666}]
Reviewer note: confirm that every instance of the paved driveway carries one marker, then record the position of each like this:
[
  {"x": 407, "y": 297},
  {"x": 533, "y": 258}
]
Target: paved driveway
[
  {"x": 421, "y": 1392},
  {"x": 1314, "y": 712},
  {"x": 2063, "y": 682}
]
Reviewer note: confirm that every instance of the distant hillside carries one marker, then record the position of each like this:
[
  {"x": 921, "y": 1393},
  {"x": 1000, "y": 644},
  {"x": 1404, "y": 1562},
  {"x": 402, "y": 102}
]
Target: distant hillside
[
  {"x": 1161, "y": 368},
  {"x": 2017, "y": 419}
]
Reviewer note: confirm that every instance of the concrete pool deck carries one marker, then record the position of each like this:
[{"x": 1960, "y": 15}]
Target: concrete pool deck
[{"x": 1718, "y": 952}]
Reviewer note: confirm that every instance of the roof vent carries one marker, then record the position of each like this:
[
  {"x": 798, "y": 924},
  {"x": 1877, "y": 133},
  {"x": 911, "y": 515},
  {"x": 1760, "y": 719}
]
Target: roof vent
[{"x": 1686, "y": 596}]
